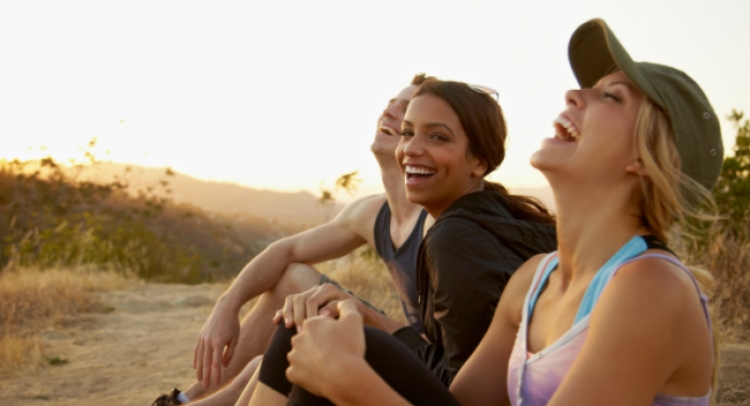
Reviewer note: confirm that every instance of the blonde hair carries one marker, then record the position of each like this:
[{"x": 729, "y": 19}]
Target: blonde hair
[{"x": 669, "y": 196}]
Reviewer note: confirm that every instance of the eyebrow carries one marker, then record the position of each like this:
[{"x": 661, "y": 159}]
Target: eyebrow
[
  {"x": 397, "y": 101},
  {"x": 629, "y": 85},
  {"x": 428, "y": 125}
]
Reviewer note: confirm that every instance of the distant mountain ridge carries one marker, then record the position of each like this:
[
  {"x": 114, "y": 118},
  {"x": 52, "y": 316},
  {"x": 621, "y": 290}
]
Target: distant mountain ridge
[{"x": 283, "y": 208}]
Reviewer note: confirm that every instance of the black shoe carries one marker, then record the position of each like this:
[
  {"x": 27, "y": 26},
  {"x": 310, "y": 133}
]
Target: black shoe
[{"x": 169, "y": 399}]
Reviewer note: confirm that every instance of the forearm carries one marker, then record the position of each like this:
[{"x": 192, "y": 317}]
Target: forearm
[
  {"x": 360, "y": 385},
  {"x": 259, "y": 275},
  {"x": 381, "y": 321}
]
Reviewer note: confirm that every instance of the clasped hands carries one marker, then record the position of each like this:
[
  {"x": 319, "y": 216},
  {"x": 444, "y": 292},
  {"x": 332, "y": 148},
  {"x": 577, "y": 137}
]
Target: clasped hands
[{"x": 330, "y": 339}]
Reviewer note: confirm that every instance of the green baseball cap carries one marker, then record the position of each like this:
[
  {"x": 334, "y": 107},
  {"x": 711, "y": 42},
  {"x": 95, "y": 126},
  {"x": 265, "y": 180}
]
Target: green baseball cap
[{"x": 594, "y": 51}]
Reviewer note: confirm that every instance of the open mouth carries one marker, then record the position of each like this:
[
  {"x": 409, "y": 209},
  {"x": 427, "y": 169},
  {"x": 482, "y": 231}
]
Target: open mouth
[
  {"x": 388, "y": 130},
  {"x": 565, "y": 130},
  {"x": 418, "y": 172}
]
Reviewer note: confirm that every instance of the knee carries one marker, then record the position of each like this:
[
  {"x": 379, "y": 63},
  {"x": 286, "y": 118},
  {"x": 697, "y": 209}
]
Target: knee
[
  {"x": 297, "y": 278},
  {"x": 253, "y": 364}
]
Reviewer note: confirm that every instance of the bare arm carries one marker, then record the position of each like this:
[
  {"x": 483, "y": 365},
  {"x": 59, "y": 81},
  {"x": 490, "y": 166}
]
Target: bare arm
[
  {"x": 647, "y": 333},
  {"x": 483, "y": 379},
  {"x": 350, "y": 229},
  {"x": 218, "y": 338}
]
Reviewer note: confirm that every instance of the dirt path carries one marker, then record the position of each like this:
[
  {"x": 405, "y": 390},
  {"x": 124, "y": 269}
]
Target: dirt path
[
  {"x": 126, "y": 357},
  {"x": 144, "y": 346}
]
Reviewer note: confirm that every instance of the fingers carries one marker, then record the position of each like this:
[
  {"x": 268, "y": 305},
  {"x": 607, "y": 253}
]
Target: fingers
[
  {"x": 299, "y": 308},
  {"x": 288, "y": 310},
  {"x": 216, "y": 365},
  {"x": 349, "y": 310},
  {"x": 229, "y": 352},
  {"x": 206, "y": 378},
  {"x": 302, "y": 306},
  {"x": 198, "y": 360},
  {"x": 330, "y": 309},
  {"x": 278, "y": 316}
]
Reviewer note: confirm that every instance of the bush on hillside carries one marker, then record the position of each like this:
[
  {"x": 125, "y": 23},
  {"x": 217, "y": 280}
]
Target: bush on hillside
[
  {"x": 732, "y": 192},
  {"x": 48, "y": 218}
]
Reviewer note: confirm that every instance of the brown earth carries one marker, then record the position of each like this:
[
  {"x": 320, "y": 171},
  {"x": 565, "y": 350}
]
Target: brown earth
[{"x": 143, "y": 347}]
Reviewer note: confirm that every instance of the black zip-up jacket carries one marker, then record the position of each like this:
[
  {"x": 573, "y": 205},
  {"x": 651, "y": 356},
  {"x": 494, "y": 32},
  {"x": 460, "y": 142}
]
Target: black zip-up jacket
[{"x": 464, "y": 263}]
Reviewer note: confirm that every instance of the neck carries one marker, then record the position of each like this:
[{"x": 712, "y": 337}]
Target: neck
[
  {"x": 393, "y": 181},
  {"x": 590, "y": 230},
  {"x": 438, "y": 208}
]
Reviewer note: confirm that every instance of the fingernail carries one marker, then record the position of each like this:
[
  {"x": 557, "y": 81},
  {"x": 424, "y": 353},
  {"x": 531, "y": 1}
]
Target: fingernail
[
  {"x": 299, "y": 328},
  {"x": 325, "y": 312},
  {"x": 288, "y": 321}
]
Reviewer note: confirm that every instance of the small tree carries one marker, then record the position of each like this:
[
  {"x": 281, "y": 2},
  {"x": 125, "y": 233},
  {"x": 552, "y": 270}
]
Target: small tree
[
  {"x": 732, "y": 191},
  {"x": 348, "y": 182}
]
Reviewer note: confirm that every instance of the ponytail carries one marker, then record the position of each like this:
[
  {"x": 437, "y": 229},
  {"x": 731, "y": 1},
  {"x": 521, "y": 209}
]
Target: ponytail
[{"x": 523, "y": 207}]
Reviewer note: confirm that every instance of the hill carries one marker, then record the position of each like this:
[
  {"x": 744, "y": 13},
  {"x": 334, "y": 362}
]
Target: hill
[
  {"x": 297, "y": 210},
  {"x": 55, "y": 217}
]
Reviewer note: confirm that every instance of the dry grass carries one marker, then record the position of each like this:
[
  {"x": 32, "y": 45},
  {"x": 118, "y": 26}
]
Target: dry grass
[
  {"x": 368, "y": 278},
  {"x": 727, "y": 258},
  {"x": 32, "y": 300}
]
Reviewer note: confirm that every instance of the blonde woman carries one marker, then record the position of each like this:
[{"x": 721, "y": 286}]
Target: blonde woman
[{"x": 612, "y": 317}]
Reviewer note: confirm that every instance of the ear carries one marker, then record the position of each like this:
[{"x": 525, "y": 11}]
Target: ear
[
  {"x": 480, "y": 169},
  {"x": 636, "y": 167}
]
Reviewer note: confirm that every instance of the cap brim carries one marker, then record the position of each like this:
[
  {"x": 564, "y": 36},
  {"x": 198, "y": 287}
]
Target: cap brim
[{"x": 595, "y": 52}]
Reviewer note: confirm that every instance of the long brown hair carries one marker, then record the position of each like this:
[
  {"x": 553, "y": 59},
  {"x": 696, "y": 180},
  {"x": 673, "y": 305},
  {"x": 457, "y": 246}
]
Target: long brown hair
[{"x": 483, "y": 121}]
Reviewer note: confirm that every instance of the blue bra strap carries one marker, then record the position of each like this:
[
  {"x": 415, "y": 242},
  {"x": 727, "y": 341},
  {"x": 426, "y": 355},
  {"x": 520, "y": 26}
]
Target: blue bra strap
[
  {"x": 636, "y": 246},
  {"x": 551, "y": 266}
]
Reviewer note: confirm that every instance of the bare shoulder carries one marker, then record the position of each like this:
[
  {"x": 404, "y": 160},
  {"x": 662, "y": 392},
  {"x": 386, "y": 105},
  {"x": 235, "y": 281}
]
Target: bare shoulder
[
  {"x": 359, "y": 216},
  {"x": 362, "y": 208},
  {"x": 655, "y": 281},
  {"x": 520, "y": 282},
  {"x": 651, "y": 292}
]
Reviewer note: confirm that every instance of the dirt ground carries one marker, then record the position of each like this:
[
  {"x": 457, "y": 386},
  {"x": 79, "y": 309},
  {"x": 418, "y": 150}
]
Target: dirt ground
[{"x": 143, "y": 348}]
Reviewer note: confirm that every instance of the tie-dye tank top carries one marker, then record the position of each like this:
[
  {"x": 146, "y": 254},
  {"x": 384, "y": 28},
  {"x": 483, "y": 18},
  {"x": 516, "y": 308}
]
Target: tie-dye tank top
[{"x": 534, "y": 378}]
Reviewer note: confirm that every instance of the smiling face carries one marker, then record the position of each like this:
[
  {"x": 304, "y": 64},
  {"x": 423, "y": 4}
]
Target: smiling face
[
  {"x": 389, "y": 124},
  {"x": 434, "y": 157},
  {"x": 594, "y": 136}
]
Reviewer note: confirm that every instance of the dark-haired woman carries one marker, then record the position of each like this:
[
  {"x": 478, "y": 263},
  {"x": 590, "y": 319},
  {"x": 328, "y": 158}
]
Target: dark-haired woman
[
  {"x": 453, "y": 136},
  {"x": 612, "y": 317}
]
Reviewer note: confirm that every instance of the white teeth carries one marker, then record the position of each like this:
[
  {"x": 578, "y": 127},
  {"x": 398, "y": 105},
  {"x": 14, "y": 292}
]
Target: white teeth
[
  {"x": 388, "y": 130},
  {"x": 413, "y": 170},
  {"x": 570, "y": 129}
]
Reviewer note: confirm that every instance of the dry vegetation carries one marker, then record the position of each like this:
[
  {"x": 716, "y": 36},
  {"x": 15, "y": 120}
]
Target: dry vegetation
[
  {"x": 32, "y": 300},
  {"x": 727, "y": 256},
  {"x": 368, "y": 278}
]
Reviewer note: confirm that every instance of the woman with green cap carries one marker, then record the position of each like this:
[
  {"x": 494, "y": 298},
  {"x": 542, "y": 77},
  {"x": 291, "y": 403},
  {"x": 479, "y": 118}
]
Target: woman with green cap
[{"x": 612, "y": 317}]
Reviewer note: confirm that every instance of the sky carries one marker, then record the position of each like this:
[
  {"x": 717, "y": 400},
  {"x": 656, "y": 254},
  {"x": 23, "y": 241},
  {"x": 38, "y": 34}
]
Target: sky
[{"x": 285, "y": 95}]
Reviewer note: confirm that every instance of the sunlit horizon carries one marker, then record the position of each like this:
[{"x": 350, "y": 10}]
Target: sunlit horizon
[{"x": 285, "y": 97}]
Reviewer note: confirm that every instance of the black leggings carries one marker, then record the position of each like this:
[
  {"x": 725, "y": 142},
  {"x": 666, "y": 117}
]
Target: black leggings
[{"x": 396, "y": 364}]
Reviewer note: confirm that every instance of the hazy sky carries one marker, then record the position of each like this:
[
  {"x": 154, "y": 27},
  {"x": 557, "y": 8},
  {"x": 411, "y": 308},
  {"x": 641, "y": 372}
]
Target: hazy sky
[{"x": 285, "y": 94}]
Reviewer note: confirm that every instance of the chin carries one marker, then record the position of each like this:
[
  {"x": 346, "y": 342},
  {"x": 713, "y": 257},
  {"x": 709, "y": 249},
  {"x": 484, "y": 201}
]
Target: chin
[
  {"x": 539, "y": 160},
  {"x": 382, "y": 148},
  {"x": 417, "y": 197}
]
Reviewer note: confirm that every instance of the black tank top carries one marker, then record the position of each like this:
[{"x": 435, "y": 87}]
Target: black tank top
[{"x": 401, "y": 262}]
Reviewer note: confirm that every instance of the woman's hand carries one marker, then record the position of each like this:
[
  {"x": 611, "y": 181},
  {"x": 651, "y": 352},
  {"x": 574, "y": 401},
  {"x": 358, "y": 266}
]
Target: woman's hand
[
  {"x": 318, "y": 300},
  {"x": 327, "y": 352}
]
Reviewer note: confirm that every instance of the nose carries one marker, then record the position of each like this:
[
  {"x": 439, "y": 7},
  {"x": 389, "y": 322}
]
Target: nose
[
  {"x": 411, "y": 146},
  {"x": 393, "y": 112},
  {"x": 574, "y": 98}
]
